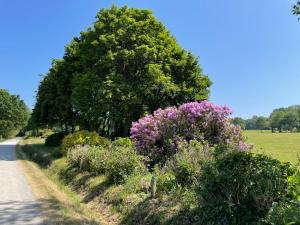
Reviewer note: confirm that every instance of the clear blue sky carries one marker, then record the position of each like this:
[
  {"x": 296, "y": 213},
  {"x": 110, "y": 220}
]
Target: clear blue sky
[{"x": 249, "y": 49}]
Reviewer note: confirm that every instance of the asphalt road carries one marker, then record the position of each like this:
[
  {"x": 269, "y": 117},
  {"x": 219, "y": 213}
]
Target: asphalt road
[{"x": 17, "y": 202}]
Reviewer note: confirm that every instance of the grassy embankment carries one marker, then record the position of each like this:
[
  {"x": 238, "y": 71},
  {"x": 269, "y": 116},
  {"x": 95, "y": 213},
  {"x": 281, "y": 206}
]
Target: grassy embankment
[
  {"x": 89, "y": 197},
  {"x": 60, "y": 205},
  {"x": 71, "y": 196},
  {"x": 283, "y": 146}
]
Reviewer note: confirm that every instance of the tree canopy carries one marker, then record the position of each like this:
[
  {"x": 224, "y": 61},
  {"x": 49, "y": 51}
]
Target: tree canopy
[
  {"x": 286, "y": 118},
  {"x": 281, "y": 119},
  {"x": 124, "y": 66},
  {"x": 254, "y": 123},
  {"x": 14, "y": 113}
]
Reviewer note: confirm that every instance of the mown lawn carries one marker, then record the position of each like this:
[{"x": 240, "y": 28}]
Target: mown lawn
[{"x": 283, "y": 146}]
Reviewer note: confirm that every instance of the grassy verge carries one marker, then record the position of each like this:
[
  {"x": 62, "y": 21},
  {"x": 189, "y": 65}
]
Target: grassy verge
[
  {"x": 89, "y": 197},
  {"x": 60, "y": 205},
  {"x": 283, "y": 146},
  {"x": 70, "y": 195}
]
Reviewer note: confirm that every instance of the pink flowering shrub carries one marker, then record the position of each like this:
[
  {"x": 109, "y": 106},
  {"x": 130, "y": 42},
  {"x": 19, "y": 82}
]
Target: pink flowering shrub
[{"x": 157, "y": 135}]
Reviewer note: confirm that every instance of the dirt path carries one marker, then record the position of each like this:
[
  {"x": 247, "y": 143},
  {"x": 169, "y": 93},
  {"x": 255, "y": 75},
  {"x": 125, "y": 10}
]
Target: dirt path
[{"x": 17, "y": 202}]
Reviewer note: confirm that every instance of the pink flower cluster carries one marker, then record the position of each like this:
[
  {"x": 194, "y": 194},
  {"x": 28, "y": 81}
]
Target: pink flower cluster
[
  {"x": 203, "y": 120},
  {"x": 194, "y": 110},
  {"x": 145, "y": 132}
]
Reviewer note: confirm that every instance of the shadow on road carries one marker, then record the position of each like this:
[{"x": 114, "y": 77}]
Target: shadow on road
[
  {"x": 26, "y": 212},
  {"x": 19, "y": 212}
]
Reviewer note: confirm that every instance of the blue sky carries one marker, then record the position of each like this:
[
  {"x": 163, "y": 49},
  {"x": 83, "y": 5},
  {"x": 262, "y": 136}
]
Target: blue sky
[{"x": 249, "y": 49}]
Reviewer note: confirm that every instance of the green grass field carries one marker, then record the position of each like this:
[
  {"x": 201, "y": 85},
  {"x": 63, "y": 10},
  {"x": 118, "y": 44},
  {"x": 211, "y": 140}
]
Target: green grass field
[{"x": 282, "y": 146}]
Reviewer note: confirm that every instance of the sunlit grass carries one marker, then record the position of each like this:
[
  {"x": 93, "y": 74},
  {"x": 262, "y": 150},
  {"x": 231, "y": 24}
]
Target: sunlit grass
[{"x": 282, "y": 146}]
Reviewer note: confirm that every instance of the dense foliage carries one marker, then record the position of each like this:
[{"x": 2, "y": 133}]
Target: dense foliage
[
  {"x": 122, "y": 162},
  {"x": 286, "y": 119},
  {"x": 284, "y": 213},
  {"x": 182, "y": 169},
  {"x": 254, "y": 123},
  {"x": 281, "y": 119},
  {"x": 241, "y": 188},
  {"x": 125, "y": 65},
  {"x": 14, "y": 114},
  {"x": 82, "y": 138},
  {"x": 116, "y": 161},
  {"x": 54, "y": 140},
  {"x": 157, "y": 135},
  {"x": 197, "y": 185}
]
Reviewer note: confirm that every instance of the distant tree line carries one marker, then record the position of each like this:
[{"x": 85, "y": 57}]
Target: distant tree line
[
  {"x": 124, "y": 66},
  {"x": 254, "y": 123},
  {"x": 281, "y": 119},
  {"x": 14, "y": 114}
]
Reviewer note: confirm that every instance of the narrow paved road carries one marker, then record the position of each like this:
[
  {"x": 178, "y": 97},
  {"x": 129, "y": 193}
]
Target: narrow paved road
[{"x": 17, "y": 203}]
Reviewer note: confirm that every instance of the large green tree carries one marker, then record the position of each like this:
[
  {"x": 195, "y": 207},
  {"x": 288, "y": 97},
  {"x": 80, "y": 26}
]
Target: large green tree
[
  {"x": 53, "y": 105},
  {"x": 131, "y": 65},
  {"x": 124, "y": 66},
  {"x": 286, "y": 118},
  {"x": 14, "y": 114}
]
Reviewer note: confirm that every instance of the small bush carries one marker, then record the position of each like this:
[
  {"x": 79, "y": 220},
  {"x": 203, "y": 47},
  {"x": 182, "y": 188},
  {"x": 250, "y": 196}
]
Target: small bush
[
  {"x": 123, "y": 162},
  {"x": 165, "y": 180},
  {"x": 283, "y": 213},
  {"x": 6, "y": 128},
  {"x": 41, "y": 154},
  {"x": 54, "y": 140},
  {"x": 294, "y": 181},
  {"x": 98, "y": 157},
  {"x": 79, "y": 157},
  {"x": 123, "y": 142},
  {"x": 240, "y": 188},
  {"x": 184, "y": 168},
  {"x": 82, "y": 138},
  {"x": 117, "y": 163},
  {"x": 186, "y": 164}
]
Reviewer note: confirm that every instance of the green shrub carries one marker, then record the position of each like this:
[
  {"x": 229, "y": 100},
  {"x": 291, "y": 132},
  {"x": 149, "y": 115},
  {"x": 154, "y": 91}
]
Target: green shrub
[
  {"x": 117, "y": 163},
  {"x": 183, "y": 168},
  {"x": 165, "y": 180},
  {"x": 41, "y": 154},
  {"x": 294, "y": 181},
  {"x": 98, "y": 157},
  {"x": 82, "y": 138},
  {"x": 288, "y": 211},
  {"x": 123, "y": 162},
  {"x": 79, "y": 157},
  {"x": 284, "y": 213},
  {"x": 186, "y": 164},
  {"x": 54, "y": 140},
  {"x": 6, "y": 128},
  {"x": 123, "y": 142},
  {"x": 240, "y": 188}
]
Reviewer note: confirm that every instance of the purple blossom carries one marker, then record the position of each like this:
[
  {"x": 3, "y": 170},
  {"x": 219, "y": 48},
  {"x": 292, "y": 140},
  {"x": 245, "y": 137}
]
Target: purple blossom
[{"x": 185, "y": 121}]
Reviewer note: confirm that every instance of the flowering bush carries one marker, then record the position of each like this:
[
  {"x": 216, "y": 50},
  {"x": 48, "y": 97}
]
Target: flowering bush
[{"x": 157, "y": 135}]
